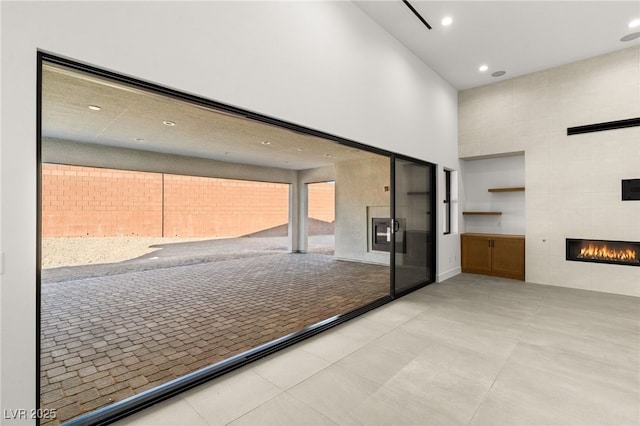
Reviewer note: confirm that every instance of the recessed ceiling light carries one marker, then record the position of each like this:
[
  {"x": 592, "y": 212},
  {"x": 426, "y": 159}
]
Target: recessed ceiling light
[
  {"x": 328, "y": 155},
  {"x": 139, "y": 140},
  {"x": 94, "y": 108},
  {"x": 168, "y": 123},
  {"x": 634, "y": 23},
  {"x": 630, "y": 37},
  {"x": 483, "y": 68},
  {"x": 299, "y": 149},
  {"x": 265, "y": 143},
  {"x": 498, "y": 74},
  {"x": 446, "y": 21}
]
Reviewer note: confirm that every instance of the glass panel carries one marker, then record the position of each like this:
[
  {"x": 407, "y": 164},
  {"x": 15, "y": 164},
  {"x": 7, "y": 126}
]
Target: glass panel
[
  {"x": 412, "y": 225},
  {"x": 276, "y": 251}
]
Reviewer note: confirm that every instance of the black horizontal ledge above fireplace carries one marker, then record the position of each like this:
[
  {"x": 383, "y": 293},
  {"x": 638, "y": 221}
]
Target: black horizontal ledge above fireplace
[
  {"x": 602, "y": 251},
  {"x": 600, "y": 127}
]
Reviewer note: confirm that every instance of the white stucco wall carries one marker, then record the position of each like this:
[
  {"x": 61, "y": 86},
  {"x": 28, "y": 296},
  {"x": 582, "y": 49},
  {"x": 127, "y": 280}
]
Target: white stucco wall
[
  {"x": 361, "y": 196},
  {"x": 324, "y": 65}
]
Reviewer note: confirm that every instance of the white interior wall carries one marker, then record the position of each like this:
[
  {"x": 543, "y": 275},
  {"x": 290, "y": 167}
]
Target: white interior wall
[
  {"x": 324, "y": 65},
  {"x": 1, "y": 203}
]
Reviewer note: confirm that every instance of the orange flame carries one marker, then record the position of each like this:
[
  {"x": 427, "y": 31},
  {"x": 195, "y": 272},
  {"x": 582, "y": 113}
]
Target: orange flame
[{"x": 602, "y": 252}]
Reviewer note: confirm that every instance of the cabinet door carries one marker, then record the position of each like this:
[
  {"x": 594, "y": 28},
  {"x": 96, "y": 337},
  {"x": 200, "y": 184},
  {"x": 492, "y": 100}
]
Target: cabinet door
[
  {"x": 476, "y": 254},
  {"x": 508, "y": 258}
]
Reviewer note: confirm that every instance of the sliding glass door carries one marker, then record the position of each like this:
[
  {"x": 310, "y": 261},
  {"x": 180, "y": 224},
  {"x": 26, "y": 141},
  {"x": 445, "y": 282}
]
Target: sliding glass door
[
  {"x": 173, "y": 251},
  {"x": 413, "y": 224},
  {"x": 242, "y": 188}
]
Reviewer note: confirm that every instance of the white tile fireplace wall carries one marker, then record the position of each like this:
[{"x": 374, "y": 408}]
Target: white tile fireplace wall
[{"x": 573, "y": 183}]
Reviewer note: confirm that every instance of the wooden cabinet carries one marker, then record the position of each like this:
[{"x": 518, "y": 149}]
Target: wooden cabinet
[
  {"x": 476, "y": 254},
  {"x": 493, "y": 254}
]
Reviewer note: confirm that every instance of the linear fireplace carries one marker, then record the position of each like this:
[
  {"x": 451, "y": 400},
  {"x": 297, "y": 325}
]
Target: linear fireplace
[{"x": 600, "y": 251}]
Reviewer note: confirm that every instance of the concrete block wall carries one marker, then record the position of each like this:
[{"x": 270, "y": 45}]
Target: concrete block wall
[
  {"x": 86, "y": 201},
  {"x": 322, "y": 201},
  {"x": 197, "y": 206}
]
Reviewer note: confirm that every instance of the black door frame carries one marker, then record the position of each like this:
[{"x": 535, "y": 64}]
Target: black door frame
[{"x": 432, "y": 225}]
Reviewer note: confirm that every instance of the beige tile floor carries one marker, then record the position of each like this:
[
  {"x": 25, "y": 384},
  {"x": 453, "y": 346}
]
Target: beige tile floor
[{"x": 472, "y": 350}]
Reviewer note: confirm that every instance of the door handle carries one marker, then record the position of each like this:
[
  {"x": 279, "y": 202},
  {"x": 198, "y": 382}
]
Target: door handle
[{"x": 396, "y": 225}]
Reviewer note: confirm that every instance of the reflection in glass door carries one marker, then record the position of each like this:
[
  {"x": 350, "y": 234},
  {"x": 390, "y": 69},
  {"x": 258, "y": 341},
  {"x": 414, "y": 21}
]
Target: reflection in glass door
[{"x": 413, "y": 225}]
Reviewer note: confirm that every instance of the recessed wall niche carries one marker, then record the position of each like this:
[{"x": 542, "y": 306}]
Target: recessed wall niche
[{"x": 494, "y": 212}]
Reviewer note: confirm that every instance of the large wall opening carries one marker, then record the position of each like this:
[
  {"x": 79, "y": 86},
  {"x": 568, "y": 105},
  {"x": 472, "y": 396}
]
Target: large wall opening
[{"x": 251, "y": 276}]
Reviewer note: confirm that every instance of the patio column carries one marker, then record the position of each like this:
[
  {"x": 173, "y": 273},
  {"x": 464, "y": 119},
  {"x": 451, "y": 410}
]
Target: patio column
[{"x": 298, "y": 212}]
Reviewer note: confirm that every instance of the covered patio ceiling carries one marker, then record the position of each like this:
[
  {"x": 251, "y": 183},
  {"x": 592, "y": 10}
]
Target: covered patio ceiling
[{"x": 85, "y": 108}]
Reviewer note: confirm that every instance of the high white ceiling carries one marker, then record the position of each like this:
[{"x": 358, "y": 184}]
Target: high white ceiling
[
  {"x": 515, "y": 36},
  {"x": 518, "y": 37}
]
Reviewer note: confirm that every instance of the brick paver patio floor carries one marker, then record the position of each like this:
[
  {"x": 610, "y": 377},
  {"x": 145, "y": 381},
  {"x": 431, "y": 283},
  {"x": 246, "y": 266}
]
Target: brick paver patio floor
[{"x": 110, "y": 334}]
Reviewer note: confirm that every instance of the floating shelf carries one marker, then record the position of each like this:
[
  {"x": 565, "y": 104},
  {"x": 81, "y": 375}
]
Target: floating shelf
[
  {"x": 514, "y": 189},
  {"x": 483, "y": 213}
]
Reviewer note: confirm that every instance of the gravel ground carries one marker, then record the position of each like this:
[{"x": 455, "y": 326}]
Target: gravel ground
[
  {"x": 65, "y": 252},
  {"x": 74, "y": 251}
]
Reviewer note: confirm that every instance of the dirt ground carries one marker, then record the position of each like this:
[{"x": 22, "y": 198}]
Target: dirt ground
[{"x": 74, "y": 251}]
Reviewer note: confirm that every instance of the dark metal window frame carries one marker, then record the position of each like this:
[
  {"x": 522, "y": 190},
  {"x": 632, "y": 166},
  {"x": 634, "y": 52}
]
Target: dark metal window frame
[
  {"x": 447, "y": 202},
  {"x": 136, "y": 403}
]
